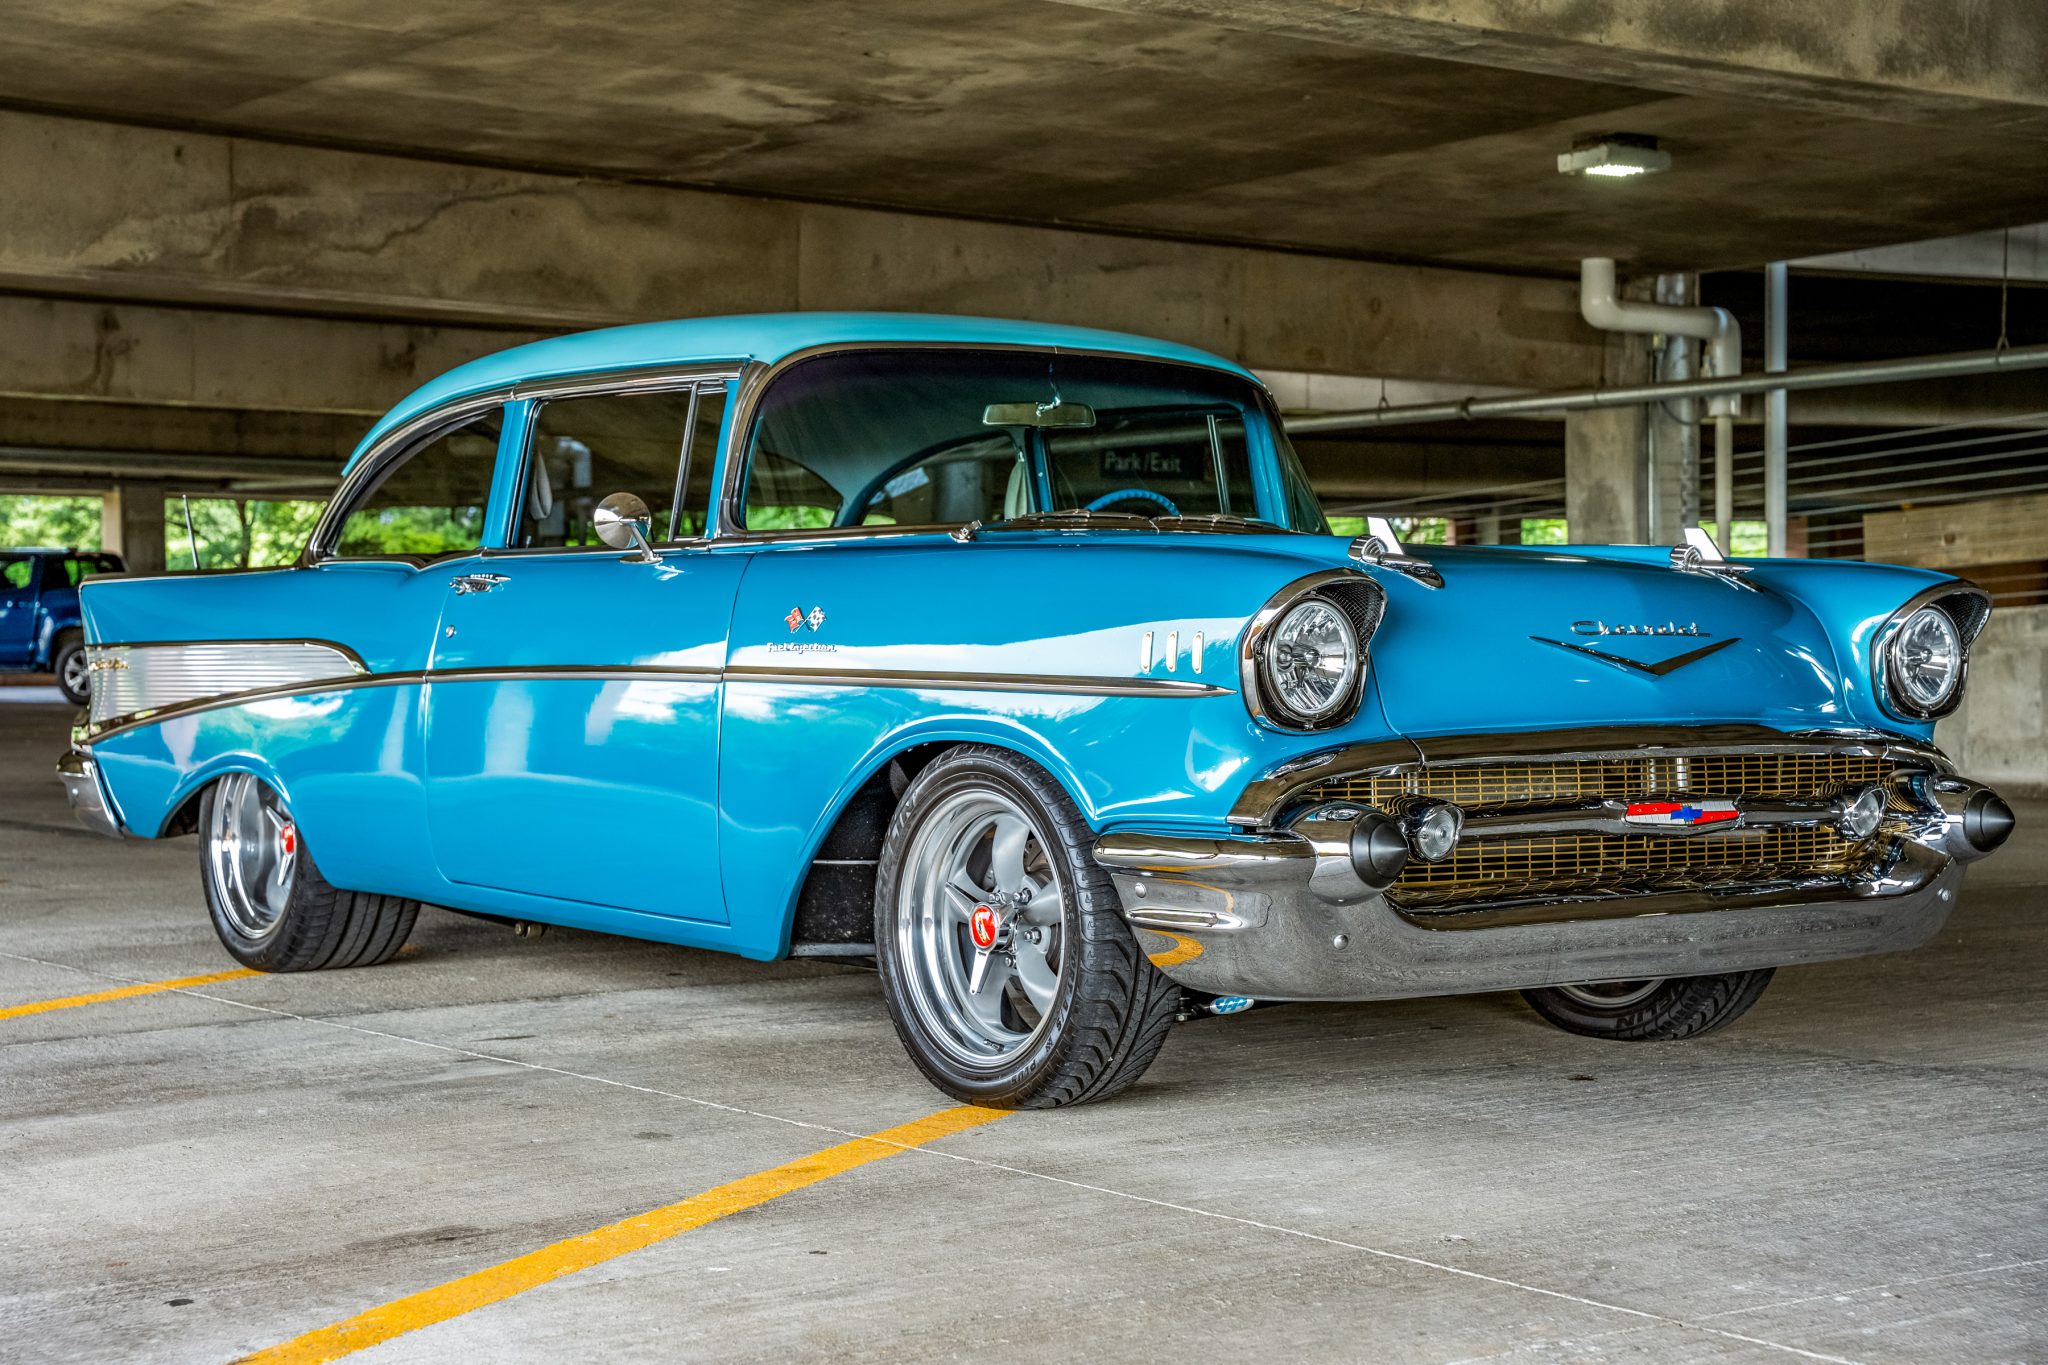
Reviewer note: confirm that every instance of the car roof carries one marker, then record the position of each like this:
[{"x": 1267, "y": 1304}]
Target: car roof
[{"x": 765, "y": 337}]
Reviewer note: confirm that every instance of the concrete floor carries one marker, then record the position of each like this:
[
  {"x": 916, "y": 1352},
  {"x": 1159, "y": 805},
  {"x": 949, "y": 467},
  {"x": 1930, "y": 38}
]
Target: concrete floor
[{"x": 1855, "y": 1171}]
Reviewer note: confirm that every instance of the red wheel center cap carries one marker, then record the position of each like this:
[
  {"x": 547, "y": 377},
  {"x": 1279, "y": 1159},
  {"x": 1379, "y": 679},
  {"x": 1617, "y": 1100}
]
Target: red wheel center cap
[{"x": 982, "y": 924}]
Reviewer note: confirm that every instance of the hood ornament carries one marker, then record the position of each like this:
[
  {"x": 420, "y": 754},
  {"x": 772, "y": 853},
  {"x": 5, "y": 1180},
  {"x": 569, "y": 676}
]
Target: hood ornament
[
  {"x": 1382, "y": 549},
  {"x": 1699, "y": 554}
]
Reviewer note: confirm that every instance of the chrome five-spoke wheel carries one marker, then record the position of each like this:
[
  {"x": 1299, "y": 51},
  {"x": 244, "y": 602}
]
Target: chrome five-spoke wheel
[
  {"x": 978, "y": 927},
  {"x": 1005, "y": 960},
  {"x": 254, "y": 848},
  {"x": 270, "y": 904}
]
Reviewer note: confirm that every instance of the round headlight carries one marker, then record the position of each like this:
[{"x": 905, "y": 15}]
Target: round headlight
[
  {"x": 1311, "y": 661},
  {"x": 1924, "y": 661}
]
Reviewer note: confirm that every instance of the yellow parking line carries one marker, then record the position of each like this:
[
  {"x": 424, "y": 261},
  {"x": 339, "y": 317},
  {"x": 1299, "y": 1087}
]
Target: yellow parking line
[
  {"x": 123, "y": 992},
  {"x": 522, "y": 1273}
]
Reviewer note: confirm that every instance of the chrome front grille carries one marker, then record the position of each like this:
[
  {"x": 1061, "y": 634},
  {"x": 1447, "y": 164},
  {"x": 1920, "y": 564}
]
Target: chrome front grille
[
  {"x": 1490, "y": 785},
  {"x": 1484, "y": 871},
  {"x": 1568, "y": 865}
]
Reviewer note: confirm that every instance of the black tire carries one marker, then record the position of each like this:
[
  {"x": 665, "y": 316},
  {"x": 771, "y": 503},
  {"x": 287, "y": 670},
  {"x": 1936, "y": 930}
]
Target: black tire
[
  {"x": 1647, "y": 1011},
  {"x": 68, "y": 663},
  {"x": 1110, "y": 1010},
  {"x": 319, "y": 925}
]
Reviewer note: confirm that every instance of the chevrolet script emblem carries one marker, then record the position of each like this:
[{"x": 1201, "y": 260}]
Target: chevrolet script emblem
[{"x": 1601, "y": 629}]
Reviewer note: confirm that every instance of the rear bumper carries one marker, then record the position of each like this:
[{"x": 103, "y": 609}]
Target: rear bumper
[
  {"x": 87, "y": 794},
  {"x": 1294, "y": 914}
]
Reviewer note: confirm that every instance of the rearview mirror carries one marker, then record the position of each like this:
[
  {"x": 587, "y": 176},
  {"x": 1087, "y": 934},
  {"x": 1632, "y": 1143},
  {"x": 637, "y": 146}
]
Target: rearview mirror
[
  {"x": 621, "y": 521},
  {"x": 1054, "y": 414}
]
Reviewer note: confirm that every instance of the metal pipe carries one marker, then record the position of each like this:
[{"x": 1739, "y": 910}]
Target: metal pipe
[
  {"x": 1578, "y": 400},
  {"x": 1602, "y": 306},
  {"x": 1775, "y": 327}
]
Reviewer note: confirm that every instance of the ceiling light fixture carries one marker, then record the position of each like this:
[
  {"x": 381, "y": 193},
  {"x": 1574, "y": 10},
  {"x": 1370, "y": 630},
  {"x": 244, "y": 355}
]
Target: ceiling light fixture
[{"x": 1614, "y": 155}]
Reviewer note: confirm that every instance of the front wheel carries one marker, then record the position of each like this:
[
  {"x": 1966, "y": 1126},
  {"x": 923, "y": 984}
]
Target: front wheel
[
  {"x": 1650, "y": 1010},
  {"x": 1005, "y": 960},
  {"x": 270, "y": 905}
]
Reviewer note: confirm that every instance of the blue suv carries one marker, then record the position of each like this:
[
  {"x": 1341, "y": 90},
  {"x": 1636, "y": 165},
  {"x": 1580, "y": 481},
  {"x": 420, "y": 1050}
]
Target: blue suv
[{"x": 39, "y": 626}]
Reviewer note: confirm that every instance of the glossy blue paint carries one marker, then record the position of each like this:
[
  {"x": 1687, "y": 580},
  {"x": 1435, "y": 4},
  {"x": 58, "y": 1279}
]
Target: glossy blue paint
[
  {"x": 522, "y": 773},
  {"x": 660, "y": 750}
]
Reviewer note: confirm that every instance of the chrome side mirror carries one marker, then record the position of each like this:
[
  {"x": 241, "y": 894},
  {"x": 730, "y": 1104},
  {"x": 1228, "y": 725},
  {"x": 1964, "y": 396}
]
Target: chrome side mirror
[{"x": 622, "y": 521}]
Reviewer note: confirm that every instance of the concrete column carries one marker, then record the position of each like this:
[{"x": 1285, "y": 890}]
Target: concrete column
[
  {"x": 1605, "y": 476},
  {"x": 1606, "y": 450},
  {"x": 132, "y": 525},
  {"x": 1775, "y": 450}
]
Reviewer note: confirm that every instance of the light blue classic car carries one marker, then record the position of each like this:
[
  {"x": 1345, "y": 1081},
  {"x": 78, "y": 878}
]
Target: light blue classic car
[{"x": 1021, "y": 658}]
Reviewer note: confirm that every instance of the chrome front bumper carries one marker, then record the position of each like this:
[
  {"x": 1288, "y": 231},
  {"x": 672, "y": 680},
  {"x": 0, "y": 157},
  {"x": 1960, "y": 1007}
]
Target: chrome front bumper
[
  {"x": 1297, "y": 914},
  {"x": 88, "y": 798}
]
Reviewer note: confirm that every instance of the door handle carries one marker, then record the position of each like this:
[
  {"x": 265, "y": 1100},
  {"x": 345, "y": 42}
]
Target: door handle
[{"x": 468, "y": 583}]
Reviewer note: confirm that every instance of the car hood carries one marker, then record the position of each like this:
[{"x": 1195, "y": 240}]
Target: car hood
[{"x": 1526, "y": 639}]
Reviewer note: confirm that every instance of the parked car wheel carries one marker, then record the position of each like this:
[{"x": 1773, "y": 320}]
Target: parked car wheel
[
  {"x": 1005, "y": 960},
  {"x": 1642, "y": 1011},
  {"x": 270, "y": 905},
  {"x": 74, "y": 672}
]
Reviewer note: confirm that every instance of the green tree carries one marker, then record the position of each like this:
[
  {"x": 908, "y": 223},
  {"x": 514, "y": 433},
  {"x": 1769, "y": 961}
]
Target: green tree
[{"x": 34, "y": 519}]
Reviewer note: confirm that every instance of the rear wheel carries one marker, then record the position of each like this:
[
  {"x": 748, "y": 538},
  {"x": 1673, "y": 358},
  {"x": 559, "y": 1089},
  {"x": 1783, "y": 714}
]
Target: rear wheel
[
  {"x": 1005, "y": 960},
  {"x": 1650, "y": 1010},
  {"x": 270, "y": 905},
  {"x": 74, "y": 672}
]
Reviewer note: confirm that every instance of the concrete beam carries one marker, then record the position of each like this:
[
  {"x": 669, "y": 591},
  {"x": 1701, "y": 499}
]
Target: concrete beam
[
  {"x": 215, "y": 358},
  {"x": 75, "y": 424},
  {"x": 145, "y": 214},
  {"x": 1951, "y": 62}
]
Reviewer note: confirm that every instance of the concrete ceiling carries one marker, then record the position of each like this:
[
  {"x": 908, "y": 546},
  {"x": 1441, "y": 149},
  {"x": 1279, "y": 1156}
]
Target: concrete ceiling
[{"x": 1409, "y": 129}]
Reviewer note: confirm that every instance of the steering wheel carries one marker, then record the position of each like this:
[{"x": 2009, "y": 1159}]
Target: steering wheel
[{"x": 1159, "y": 500}]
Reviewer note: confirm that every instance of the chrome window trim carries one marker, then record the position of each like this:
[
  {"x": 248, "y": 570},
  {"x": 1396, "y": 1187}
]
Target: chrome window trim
[
  {"x": 694, "y": 377},
  {"x": 1968, "y": 628},
  {"x": 758, "y": 377},
  {"x": 401, "y": 438},
  {"x": 394, "y": 445}
]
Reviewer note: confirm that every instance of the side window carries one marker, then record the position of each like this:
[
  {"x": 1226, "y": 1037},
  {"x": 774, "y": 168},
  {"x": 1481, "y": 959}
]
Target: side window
[
  {"x": 585, "y": 449},
  {"x": 16, "y": 574},
  {"x": 431, "y": 501}
]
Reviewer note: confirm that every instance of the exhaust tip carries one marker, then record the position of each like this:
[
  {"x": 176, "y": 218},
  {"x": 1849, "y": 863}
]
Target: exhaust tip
[{"x": 1987, "y": 821}]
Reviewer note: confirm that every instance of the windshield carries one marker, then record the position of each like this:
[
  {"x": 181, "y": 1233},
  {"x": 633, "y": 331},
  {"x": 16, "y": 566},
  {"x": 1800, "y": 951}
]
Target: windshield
[{"x": 919, "y": 438}]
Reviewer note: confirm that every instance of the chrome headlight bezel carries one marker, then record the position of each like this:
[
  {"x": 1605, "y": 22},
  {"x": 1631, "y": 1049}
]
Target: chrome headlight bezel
[
  {"x": 1964, "y": 608},
  {"x": 1358, "y": 602}
]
